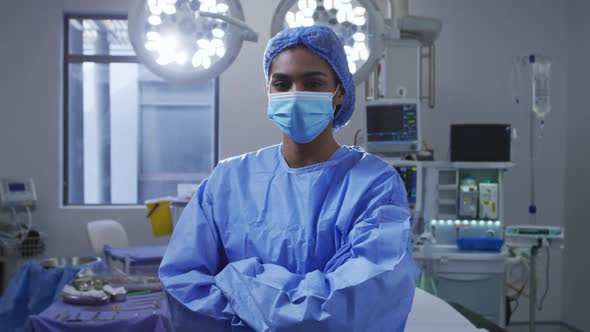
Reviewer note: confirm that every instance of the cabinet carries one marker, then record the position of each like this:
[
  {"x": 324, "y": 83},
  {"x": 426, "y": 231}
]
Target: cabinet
[
  {"x": 442, "y": 187},
  {"x": 473, "y": 279}
]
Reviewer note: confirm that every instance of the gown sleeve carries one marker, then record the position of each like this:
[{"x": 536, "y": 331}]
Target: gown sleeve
[
  {"x": 187, "y": 272},
  {"x": 368, "y": 285}
]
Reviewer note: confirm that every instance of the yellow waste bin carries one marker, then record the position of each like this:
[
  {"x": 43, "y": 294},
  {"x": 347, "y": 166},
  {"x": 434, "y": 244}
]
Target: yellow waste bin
[{"x": 164, "y": 213}]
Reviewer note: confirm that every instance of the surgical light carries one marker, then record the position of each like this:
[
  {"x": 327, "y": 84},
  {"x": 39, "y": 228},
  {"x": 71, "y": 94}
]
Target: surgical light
[
  {"x": 359, "y": 24},
  {"x": 188, "y": 39}
]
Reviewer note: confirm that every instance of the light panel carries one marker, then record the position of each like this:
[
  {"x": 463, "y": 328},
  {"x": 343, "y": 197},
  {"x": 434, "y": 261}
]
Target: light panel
[
  {"x": 458, "y": 223},
  {"x": 188, "y": 39},
  {"x": 353, "y": 20}
]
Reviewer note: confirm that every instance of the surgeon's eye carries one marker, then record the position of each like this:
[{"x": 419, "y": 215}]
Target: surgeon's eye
[
  {"x": 313, "y": 85},
  {"x": 281, "y": 85}
]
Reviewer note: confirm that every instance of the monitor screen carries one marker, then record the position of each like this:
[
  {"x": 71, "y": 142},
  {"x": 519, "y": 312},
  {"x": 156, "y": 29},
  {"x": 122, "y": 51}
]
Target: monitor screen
[
  {"x": 16, "y": 187},
  {"x": 391, "y": 125},
  {"x": 409, "y": 175}
]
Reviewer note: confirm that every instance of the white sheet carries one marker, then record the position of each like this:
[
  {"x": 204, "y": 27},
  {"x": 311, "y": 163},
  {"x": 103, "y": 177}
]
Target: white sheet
[{"x": 429, "y": 313}]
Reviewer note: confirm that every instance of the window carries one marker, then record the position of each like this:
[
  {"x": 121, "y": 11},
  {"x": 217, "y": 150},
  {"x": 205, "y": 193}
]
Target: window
[{"x": 129, "y": 136}]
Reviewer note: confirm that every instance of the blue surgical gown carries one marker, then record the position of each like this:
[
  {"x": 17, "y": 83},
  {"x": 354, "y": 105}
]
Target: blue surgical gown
[{"x": 267, "y": 247}]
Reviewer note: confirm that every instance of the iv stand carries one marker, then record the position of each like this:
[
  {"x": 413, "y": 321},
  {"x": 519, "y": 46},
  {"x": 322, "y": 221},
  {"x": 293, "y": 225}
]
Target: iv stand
[
  {"x": 532, "y": 213},
  {"x": 531, "y": 59}
]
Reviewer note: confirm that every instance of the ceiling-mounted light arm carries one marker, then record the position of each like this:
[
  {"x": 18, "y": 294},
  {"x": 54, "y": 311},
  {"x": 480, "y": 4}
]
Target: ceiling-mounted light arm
[
  {"x": 247, "y": 33},
  {"x": 400, "y": 8},
  {"x": 423, "y": 29},
  {"x": 396, "y": 8}
]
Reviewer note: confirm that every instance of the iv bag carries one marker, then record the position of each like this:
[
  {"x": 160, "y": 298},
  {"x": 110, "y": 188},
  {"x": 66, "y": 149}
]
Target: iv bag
[{"x": 541, "y": 93}]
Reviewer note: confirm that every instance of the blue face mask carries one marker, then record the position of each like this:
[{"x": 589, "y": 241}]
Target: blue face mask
[{"x": 301, "y": 115}]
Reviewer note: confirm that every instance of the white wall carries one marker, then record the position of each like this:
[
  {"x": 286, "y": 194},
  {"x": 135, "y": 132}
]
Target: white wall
[
  {"x": 577, "y": 258},
  {"x": 473, "y": 62}
]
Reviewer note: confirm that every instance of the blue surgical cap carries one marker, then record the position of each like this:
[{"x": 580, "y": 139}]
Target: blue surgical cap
[{"x": 325, "y": 43}]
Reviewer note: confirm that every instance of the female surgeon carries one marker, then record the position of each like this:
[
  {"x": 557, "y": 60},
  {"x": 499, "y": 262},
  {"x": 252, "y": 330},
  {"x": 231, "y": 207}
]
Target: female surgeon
[{"x": 306, "y": 235}]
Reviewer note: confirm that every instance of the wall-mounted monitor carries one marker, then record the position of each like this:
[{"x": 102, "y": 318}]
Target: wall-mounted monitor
[{"x": 393, "y": 126}]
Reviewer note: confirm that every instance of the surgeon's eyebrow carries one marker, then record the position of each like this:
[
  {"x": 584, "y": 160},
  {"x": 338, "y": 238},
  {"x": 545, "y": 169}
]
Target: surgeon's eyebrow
[
  {"x": 278, "y": 76},
  {"x": 315, "y": 73}
]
